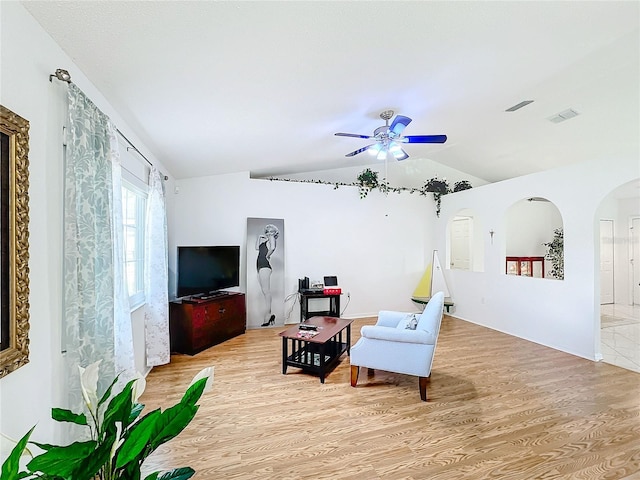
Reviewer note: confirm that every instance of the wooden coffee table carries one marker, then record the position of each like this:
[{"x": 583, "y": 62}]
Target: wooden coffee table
[{"x": 319, "y": 353}]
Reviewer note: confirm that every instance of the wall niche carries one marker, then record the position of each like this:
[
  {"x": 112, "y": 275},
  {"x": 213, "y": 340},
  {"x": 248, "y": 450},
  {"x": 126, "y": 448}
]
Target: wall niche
[{"x": 534, "y": 239}]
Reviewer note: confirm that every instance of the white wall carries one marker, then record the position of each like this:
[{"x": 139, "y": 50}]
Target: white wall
[
  {"x": 528, "y": 226},
  {"x": 560, "y": 314},
  {"x": 28, "y": 56},
  {"x": 378, "y": 246}
]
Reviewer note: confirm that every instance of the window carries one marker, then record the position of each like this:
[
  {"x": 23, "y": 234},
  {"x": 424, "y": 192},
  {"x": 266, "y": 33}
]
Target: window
[{"x": 134, "y": 202}]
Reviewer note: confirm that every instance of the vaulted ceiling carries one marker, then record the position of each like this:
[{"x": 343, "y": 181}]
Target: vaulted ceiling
[{"x": 221, "y": 86}]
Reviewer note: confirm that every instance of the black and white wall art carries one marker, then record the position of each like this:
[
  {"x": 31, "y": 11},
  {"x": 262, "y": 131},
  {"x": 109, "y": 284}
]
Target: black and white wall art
[{"x": 265, "y": 272}]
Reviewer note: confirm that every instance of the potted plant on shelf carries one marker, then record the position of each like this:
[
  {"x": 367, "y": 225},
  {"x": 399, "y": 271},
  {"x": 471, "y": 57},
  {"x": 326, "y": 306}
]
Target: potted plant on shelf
[{"x": 121, "y": 439}]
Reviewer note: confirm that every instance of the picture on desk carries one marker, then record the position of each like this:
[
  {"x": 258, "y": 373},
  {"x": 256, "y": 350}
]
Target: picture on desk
[{"x": 265, "y": 272}]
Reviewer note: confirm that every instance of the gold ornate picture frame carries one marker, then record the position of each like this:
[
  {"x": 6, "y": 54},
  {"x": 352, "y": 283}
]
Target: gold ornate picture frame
[{"x": 14, "y": 259}]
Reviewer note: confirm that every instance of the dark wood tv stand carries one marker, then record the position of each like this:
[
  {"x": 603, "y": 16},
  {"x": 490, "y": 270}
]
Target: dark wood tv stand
[{"x": 197, "y": 324}]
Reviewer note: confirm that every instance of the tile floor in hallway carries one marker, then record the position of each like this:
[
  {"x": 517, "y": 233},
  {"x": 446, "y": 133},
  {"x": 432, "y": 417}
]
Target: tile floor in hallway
[{"x": 620, "y": 335}]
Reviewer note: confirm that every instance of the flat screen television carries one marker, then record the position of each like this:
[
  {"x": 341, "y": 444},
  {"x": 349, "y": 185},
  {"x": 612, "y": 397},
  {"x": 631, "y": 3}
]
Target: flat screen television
[{"x": 202, "y": 270}]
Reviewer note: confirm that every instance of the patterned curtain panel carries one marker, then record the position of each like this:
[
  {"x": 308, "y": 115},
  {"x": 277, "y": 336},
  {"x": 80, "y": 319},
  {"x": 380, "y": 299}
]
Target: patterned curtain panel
[
  {"x": 156, "y": 274},
  {"x": 93, "y": 266}
]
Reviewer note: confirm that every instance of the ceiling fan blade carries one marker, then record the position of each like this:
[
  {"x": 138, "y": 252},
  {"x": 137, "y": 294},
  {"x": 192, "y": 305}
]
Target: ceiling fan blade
[
  {"x": 352, "y": 135},
  {"x": 424, "y": 139},
  {"x": 360, "y": 150},
  {"x": 400, "y": 155},
  {"x": 396, "y": 150},
  {"x": 399, "y": 123}
]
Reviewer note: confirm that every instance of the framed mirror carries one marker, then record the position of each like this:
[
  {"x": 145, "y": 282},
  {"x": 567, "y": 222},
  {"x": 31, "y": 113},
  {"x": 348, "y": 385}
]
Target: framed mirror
[{"x": 14, "y": 261}]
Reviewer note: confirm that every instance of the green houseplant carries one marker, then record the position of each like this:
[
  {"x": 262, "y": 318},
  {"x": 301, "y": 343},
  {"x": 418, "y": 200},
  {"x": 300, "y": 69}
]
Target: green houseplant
[
  {"x": 462, "y": 185},
  {"x": 121, "y": 439},
  {"x": 367, "y": 181},
  {"x": 438, "y": 187},
  {"x": 555, "y": 253}
]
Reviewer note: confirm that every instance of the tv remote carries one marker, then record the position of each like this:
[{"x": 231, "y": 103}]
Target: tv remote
[{"x": 304, "y": 326}]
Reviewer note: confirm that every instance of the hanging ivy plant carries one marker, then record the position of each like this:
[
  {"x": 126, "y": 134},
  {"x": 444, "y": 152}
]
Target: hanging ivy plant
[
  {"x": 461, "y": 185},
  {"x": 367, "y": 181},
  {"x": 555, "y": 253},
  {"x": 438, "y": 187}
]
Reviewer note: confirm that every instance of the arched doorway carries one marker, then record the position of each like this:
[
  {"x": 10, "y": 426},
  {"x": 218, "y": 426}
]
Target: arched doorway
[{"x": 618, "y": 224}]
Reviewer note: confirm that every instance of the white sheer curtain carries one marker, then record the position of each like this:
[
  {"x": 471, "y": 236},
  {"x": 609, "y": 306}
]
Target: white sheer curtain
[
  {"x": 156, "y": 274},
  {"x": 97, "y": 324}
]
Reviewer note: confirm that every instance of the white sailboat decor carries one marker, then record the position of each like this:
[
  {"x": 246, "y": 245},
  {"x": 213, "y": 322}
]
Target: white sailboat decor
[{"x": 431, "y": 282}]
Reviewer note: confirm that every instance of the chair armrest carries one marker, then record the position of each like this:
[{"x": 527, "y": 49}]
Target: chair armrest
[
  {"x": 397, "y": 335},
  {"x": 387, "y": 318}
]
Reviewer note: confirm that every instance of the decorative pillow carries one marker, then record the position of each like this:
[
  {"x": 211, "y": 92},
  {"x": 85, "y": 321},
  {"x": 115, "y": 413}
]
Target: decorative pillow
[{"x": 410, "y": 322}]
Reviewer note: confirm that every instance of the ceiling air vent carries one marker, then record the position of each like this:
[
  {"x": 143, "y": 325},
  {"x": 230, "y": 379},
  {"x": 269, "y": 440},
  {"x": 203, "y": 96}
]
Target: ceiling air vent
[
  {"x": 519, "y": 106},
  {"x": 562, "y": 116}
]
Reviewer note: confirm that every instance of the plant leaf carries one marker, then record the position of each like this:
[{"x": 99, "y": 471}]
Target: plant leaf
[
  {"x": 152, "y": 476},
  {"x": 11, "y": 465},
  {"x": 204, "y": 373},
  {"x": 63, "y": 415},
  {"x": 137, "y": 439},
  {"x": 97, "y": 459},
  {"x": 62, "y": 461},
  {"x": 118, "y": 410},
  {"x": 194, "y": 392},
  {"x": 131, "y": 471},
  {"x": 107, "y": 393},
  {"x": 178, "y": 474},
  {"x": 135, "y": 412},
  {"x": 171, "y": 422},
  {"x": 44, "y": 446}
]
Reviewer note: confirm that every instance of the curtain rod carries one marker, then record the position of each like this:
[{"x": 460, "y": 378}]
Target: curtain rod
[{"x": 65, "y": 76}]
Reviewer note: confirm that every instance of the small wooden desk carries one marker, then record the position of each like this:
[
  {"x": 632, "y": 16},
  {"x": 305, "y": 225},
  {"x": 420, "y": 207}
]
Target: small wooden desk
[{"x": 334, "y": 305}]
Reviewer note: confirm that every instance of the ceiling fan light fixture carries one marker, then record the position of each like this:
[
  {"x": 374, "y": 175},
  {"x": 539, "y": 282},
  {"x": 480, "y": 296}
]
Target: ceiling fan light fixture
[
  {"x": 374, "y": 149},
  {"x": 389, "y": 138}
]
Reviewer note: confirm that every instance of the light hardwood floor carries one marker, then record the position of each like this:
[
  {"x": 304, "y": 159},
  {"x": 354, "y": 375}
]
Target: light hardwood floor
[{"x": 499, "y": 407}]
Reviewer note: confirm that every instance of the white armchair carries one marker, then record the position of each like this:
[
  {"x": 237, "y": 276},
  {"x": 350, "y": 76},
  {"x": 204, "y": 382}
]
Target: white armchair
[{"x": 391, "y": 344}]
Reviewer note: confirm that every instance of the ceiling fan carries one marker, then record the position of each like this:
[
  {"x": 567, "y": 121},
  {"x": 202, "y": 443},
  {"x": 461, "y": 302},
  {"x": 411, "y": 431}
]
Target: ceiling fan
[{"x": 389, "y": 137}]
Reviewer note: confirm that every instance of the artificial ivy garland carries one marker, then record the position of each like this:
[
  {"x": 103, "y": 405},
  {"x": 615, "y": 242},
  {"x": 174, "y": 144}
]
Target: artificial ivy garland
[{"x": 367, "y": 180}]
